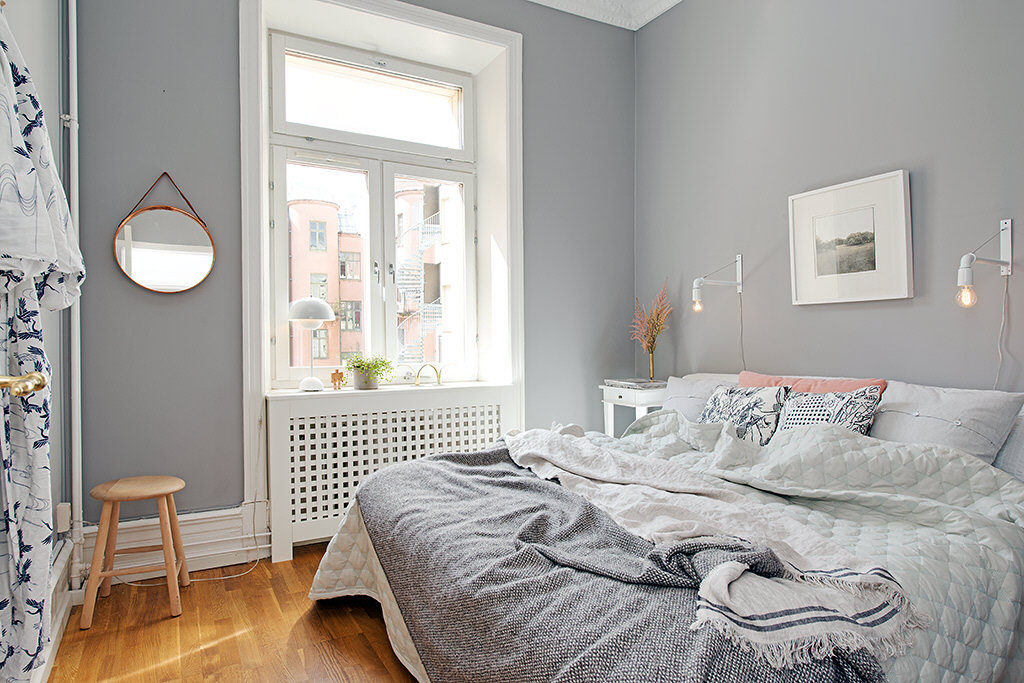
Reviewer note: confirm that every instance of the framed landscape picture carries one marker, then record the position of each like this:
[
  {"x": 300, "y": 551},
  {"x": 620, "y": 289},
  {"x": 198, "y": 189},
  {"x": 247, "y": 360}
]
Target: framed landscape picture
[{"x": 852, "y": 242}]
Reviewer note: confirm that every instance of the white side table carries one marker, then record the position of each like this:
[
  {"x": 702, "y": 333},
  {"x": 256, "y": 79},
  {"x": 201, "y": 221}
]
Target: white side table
[{"x": 641, "y": 400}]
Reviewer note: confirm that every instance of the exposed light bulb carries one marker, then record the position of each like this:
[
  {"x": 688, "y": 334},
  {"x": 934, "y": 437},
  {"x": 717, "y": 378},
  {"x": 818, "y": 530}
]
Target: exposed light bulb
[
  {"x": 697, "y": 306},
  {"x": 966, "y": 296}
]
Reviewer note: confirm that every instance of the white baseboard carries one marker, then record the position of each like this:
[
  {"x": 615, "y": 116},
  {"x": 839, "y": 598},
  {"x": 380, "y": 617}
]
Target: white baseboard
[
  {"x": 216, "y": 538},
  {"x": 59, "y": 605}
]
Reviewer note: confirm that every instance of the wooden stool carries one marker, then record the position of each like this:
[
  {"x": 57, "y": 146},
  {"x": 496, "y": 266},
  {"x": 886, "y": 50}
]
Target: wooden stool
[{"x": 113, "y": 493}]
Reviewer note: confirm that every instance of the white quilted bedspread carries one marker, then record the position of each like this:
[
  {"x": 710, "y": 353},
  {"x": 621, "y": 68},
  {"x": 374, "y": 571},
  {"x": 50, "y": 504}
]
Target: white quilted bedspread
[{"x": 947, "y": 525}]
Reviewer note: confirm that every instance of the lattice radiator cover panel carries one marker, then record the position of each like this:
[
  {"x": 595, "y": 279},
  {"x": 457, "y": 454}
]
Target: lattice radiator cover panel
[{"x": 330, "y": 454}]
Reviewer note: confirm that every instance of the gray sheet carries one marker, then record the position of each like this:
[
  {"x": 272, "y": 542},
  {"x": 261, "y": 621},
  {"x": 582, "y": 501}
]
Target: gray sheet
[{"x": 502, "y": 576}]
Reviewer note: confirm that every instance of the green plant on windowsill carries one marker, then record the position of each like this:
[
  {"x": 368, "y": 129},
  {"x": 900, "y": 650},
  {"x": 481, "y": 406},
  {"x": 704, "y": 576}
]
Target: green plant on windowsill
[{"x": 368, "y": 371}]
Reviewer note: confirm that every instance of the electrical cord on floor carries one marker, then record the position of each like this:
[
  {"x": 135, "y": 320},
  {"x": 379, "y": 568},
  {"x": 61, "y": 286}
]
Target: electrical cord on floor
[{"x": 255, "y": 542}]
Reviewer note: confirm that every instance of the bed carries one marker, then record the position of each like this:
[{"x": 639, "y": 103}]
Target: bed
[{"x": 533, "y": 560}]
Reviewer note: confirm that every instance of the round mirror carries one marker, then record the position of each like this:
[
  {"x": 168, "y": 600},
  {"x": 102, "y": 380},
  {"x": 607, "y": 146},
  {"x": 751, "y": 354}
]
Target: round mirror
[{"x": 164, "y": 249}]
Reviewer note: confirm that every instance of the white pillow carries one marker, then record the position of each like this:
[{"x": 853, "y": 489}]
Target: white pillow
[
  {"x": 974, "y": 421},
  {"x": 1011, "y": 456},
  {"x": 753, "y": 411},
  {"x": 689, "y": 394},
  {"x": 851, "y": 409}
]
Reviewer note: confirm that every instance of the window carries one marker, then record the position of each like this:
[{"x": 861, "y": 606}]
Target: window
[
  {"x": 333, "y": 92},
  {"x": 349, "y": 265},
  {"x": 318, "y": 236},
  {"x": 318, "y": 285},
  {"x": 320, "y": 344},
  {"x": 432, "y": 266},
  {"x": 349, "y": 314},
  {"x": 411, "y": 226}
]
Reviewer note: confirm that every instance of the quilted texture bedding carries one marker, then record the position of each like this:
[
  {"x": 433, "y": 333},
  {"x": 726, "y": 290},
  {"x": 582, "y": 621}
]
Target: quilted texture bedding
[{"x": 947, "y": 525}]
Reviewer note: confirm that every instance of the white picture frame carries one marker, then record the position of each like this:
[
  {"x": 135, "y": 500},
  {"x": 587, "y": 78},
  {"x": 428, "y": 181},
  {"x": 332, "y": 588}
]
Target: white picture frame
[{"x": 852, "y": 241}]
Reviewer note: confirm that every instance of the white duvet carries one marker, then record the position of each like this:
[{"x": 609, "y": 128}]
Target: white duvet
[{"x": 945, "y": 524}]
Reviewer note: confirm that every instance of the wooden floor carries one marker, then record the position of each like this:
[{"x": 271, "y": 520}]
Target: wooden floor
[{"x": 260, "y": 627}]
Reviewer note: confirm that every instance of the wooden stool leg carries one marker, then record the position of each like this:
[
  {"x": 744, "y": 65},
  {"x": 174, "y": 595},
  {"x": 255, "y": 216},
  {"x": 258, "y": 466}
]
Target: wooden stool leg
[
  {"x": 96, "y": 567},
  {"x": 179, "y": 547},
  {"x": 108, "y": 561},
  {"x": 169, "y": 564}
]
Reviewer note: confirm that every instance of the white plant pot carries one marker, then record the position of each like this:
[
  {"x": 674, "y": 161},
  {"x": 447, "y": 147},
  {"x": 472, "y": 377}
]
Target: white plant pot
[{"x": 363, "y": 381}]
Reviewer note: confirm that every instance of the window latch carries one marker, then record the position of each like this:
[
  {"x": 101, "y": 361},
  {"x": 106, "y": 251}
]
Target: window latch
[
  {"x": 376, "y": 272},
  {"x": 391, "y": 272}
]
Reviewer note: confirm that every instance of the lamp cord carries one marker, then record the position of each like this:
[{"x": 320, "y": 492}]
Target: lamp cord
[
  {"x": 1002, "y": 329},
  {"x": 162, "y": 581},
  {"x": 743, "y": 358}
]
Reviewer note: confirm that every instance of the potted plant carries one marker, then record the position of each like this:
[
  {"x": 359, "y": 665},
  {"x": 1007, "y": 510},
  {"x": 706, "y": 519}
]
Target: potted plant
[
  {"x": 367, "y": 371},
  {"x": 648, "y": 324}
]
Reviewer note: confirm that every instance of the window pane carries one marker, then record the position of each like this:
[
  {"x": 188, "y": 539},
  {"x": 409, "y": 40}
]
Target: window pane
[
  {"x": 327, "y": 94},
  {"x": 328, "y": 208},
  {"x": 430, "y": 251},
  {"x": 318, "y": 285},
  {"x": 320, "y": 344},
  {"x": 349, "y": 265},
  {"x": 318, "y": 236}
]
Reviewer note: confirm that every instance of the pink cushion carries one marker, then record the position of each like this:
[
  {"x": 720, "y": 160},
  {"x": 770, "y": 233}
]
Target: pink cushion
[{"x": 807, "y": 385}]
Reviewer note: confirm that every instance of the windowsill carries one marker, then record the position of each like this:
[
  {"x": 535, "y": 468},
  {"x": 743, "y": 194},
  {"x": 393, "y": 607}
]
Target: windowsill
[{"x": 286, "y": 394}]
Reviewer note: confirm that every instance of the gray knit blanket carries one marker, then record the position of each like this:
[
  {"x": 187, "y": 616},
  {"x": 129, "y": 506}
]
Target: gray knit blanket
[{"x": 503, "y": 576}]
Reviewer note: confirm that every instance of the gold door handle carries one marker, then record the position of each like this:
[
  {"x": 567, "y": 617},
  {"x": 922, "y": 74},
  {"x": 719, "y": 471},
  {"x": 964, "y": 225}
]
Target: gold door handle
[{"x": 23, "y": 385}]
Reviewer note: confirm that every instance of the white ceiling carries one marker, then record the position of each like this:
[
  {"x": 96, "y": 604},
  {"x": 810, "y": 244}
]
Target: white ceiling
[{"x": 631, "y": 14}]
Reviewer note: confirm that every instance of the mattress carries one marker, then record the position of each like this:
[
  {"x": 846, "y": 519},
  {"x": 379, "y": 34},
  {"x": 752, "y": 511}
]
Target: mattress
[{"x": 350, "y": 567}]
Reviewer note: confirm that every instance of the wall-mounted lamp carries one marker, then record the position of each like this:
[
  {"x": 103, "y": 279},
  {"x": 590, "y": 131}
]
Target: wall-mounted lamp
[
  {"x": 698, "y": 305},
  {"x": 965, "y": 294},
  {"x": 698, "y": 283}
]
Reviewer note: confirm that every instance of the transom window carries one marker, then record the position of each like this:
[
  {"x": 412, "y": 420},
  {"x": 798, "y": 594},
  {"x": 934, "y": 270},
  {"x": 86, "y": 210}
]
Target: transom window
[
  {"x": 334, "y": 92},
  {"x": 391, "y": 236}
]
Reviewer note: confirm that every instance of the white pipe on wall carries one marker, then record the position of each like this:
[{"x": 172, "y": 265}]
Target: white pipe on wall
[{"x": 75, "y": 380}]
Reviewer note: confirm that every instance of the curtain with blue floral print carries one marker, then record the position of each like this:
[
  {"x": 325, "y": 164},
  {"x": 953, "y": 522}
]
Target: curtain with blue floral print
[{"x": 40, "y": 267}]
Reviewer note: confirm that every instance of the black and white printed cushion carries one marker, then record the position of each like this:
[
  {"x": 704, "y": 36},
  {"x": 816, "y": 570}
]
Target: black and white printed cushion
[
  {"x": 854, "y": 410},
  {"x": 754, "y": 411}
]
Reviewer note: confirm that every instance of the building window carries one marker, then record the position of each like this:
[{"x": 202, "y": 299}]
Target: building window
[
  {"x": 318, "y": 286},
  {"x": 349, "y": 265},
  {"x": 320, "y": 344},
  {"x": 318, "y": 235},
  {"x": 349, "y": 314}
]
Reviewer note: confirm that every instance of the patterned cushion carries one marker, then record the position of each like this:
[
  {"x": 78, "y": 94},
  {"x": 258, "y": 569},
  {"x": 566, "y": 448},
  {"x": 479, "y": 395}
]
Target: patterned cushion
[
  {"x": 854, "y": 410},
  {"x": 754, "y": 411}
]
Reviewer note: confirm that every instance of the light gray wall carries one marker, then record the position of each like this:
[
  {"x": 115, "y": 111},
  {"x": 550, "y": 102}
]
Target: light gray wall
[
  {"x": 162, "y": 373},
  {"x": 162, "y": 376},
  {"x": 741, "y": 104},
  {"x": 578, "y": 203}
]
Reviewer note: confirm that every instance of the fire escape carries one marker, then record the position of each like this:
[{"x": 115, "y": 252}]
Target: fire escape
[{"x": 409, "y": 279}]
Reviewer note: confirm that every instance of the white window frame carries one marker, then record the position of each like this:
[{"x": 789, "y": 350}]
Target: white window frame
[
  {"x": 282, "y": 373},
  {"x": 280, "y": 43},
  {"x": 467, "y": 369}
]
